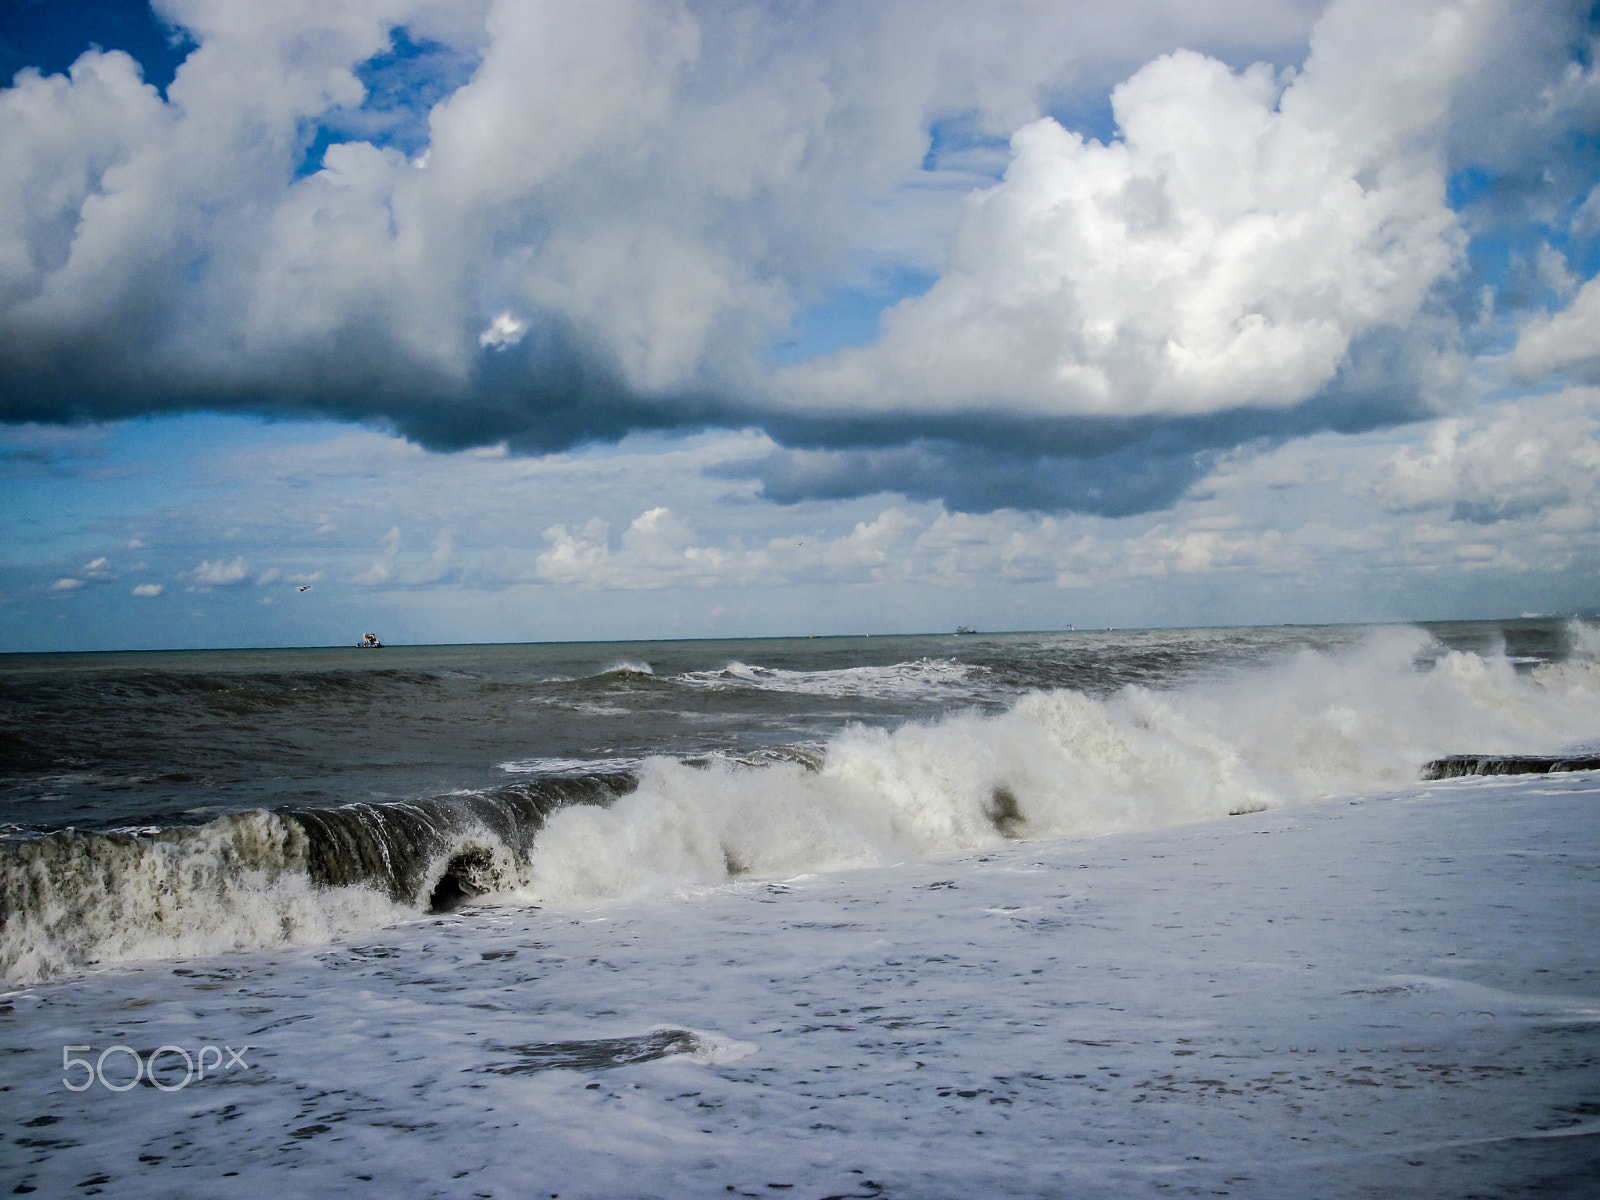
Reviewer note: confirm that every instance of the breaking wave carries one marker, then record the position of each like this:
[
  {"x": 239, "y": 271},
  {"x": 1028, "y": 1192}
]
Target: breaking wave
[
  {"x": 623, "y": 669},
  {"x": 69, "y": 899},
  {"x": 1061, "y": 763},
  {"x": 925, "y": 677},
  {"x": 1056, "y": 763}
]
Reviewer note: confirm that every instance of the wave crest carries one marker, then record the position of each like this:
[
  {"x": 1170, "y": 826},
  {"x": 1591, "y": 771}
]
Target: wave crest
[{"x": 926, "y": 676}]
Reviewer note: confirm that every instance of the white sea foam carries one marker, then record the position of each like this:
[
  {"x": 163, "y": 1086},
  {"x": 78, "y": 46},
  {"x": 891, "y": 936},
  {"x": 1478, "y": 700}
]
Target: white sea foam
[
  {"x": 566, "y": 766},
  {"x": 1061, "y": 763},
  {"x": 928, "y": 676},
  {"x": 586, "y": 707},
  {"x": 713, "y": 1050},
  {"x": 1394, "y": 998},
  {"x": 1583, "y": 640}
]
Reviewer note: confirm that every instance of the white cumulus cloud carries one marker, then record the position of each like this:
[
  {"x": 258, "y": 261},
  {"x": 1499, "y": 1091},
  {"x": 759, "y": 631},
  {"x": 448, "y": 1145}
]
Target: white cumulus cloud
[
  {"x": 1228, "y": 249},
  {"x": 505, "y": 330},
  {"x": 1510, "y": 461},
  {"x": 221, "y": 573},
  {"x": 1566, "y": 340}
]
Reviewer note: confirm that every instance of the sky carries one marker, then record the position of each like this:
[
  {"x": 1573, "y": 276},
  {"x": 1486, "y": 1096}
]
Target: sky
[{"x": 471, "y": 321}]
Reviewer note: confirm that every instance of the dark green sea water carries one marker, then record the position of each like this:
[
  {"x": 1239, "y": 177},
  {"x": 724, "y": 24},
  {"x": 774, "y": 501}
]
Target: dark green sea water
[{"x": 111, "y": 740}]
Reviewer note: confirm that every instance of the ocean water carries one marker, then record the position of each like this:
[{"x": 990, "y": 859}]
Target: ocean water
[
  {"x": 156, "y": 804},
  {"x": 657, "y": 918}
]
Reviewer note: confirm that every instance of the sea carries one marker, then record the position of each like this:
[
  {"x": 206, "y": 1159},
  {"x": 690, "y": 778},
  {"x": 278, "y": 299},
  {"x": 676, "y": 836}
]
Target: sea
[{"x": 932, "y": 915}]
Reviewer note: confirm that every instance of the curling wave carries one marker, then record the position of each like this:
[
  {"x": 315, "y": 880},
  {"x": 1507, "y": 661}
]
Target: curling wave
[{"x": 70, "y": 900}]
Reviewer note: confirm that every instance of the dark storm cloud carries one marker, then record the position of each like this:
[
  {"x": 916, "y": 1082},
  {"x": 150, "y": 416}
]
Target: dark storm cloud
[
  {"x": 970, "y": 478},
  {"x": 548, "y": 393},
  {"x": 1108, "y": 467}
]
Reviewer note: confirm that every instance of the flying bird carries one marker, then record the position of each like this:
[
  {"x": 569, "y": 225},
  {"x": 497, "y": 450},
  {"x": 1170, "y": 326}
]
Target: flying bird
[{"x": 304, "y": 587}]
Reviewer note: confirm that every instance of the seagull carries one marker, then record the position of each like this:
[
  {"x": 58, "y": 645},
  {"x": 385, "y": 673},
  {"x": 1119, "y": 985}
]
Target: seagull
[{"x": 304, "y": 587}]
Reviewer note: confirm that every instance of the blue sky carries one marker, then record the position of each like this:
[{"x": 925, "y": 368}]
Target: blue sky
[{"x": 477, "y": 322}]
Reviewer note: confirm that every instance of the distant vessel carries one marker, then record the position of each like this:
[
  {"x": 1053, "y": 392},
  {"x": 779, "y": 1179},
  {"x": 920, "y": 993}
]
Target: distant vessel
[
  {"x": 965, "y": 629},
  {"x": 369, "y": 641}
]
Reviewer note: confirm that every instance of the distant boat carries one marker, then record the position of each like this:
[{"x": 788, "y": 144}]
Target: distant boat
[
  {"x": 369, "y": 641},
  {"x": 965, "y": 629}
]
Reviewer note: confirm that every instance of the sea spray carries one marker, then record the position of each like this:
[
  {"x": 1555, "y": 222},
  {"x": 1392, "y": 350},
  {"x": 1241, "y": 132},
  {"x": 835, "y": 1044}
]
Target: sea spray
[{"x": 1061, "y": 763}]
